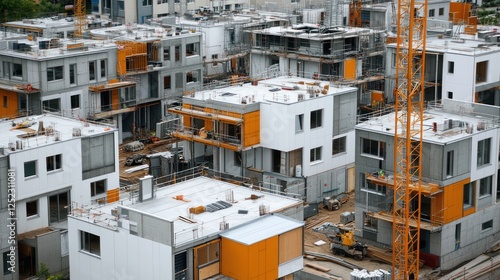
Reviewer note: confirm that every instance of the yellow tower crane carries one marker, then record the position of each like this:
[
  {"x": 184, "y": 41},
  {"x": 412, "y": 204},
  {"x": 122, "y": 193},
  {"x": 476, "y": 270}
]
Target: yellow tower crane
[
  {"x": 409, "y": 107},
  {"x": 80, "y": 15}
]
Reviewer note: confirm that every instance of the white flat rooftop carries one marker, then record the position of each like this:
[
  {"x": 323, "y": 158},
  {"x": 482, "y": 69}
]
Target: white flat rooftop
[
  {"x": 467, "y": 47},
  {"x": 43, "y": 23},
  {"x": 200, "y": 191},
  {"x": 64, "y": 126},
  {"x": 462, "y": 126},
  {"x": 285, "y": 89},
  {"x": 300, "y": 31},
  {"x": 139, "y": 33},
  {"x": 262, "y": 229}
]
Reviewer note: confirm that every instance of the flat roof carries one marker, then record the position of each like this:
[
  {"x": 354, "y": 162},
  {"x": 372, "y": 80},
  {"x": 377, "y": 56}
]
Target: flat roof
[
  {"x": 140, "y": 33},
  {"x": 463, "y": 46},
  {"x": 462, "y": 125},
  {"x": 199, "y": 191},
  {"x": 29, "y": 137},
  {"x": 300, "y": 31},
  {"x": 262, "y": 229},
  {"x": 284, "y": 89},
  {"x": 43, "y": 23}
]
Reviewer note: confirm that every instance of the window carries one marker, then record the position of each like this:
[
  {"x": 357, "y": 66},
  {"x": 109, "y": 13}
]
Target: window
[
  {"x": 469, "y": 195},
  {"x": 32, "y": 208},
  {"x": 54, "y": 162},
  {"x": 192, "y": 49},
  {"x": 449, "y": 163},
  {"x": 485, "y": 185},
  {"x": 90, "y": 243},
  {"x": 180, "y": 266},
  {"x": 481, "y": 71},
  {"x": 441, "y": 11},
  {"x": 237, "y": 158},
  {"x": 375, "y": 187},
  {"x": 52, "y": 105},
  {"x": 458, "y": 233},
  {"x": 299, "y": 123},
  {"x": 58, "y": 207},
  {"x": 483, "y": 152},
  {"x": 192, "y": 76},
  {"x": 373, "y": 147},
  {"x": 98, "y": 156},
  {"x": 316, "y": 118},
  {"x": 29, "y": 168},
  {"x": 91, "y": 70},
  {"x": 215, "y": 57},
  {"x": 450, "y": 95},
  {"x": 451, "y": 67},
  {"x": 167, "y": 82},
  {"x": 17, "y": 70},
  {"x": 103, "y": 68},
  {"x": 369, "y": 222},
  {"x": 431, "y": 13},
  {"x": 98, "y": 187},
  {"x": 338, "y": 145},
  {"x": 487, "y": 225},
  {"x": 179, "y": 81},
  {"x": 7, "y": 268},
  {"x": 315, "y": 154},
  {"x": 166, "y": 53},
  {"x": 54, "y": 73},
  {"x": 72, "y": 74},
  {"x": 177, "y": 53},
  {"x": 75, "y": 101},
  {"x": 393, "y": 60},
  {"x": 5, "y": 102},
  {"x": 6, "y": 69}
]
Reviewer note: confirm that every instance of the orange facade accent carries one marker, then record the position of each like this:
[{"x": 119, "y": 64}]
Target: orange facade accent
[
  {"x": 453, "y": 196},
  {"x": 350, "y": 69},
  {"x": 251, "y": 129},
  {"x": 459, "y": 12},
  {"x": 9, "y": 103},
  {"x": 113, "y": 195},
  {"x": 252, "y": 262},
  {"x": 115, "y": 99}
]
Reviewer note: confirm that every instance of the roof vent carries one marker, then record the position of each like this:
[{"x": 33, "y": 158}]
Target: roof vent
[{"x": 77, "y": 132}]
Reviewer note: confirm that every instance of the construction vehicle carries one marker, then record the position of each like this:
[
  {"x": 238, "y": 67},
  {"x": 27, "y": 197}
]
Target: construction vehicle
[
  {"x": 137, "y": 159},
  {"x": 342, "y": 241},
  {"x": 335, "y": 202}
]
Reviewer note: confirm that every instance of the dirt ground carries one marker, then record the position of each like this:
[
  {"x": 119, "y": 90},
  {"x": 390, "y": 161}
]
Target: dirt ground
[{"x": 337, "y": 270}]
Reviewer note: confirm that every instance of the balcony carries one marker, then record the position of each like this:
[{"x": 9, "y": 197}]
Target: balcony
[
  {"x": 208, "y": 137},
  {"x": 388, "y": 180},
  {"x": 112, "y": 99}
]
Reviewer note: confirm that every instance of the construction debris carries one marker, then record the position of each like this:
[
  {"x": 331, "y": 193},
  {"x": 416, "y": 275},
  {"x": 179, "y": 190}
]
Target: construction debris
[
  {"x": 318, "y": 267},
  {"x": 137, "y": 168},
  {"x": 319, "y": 243},
  {"x": 333, "y": 259},
  {"x": 134, "y": 146},
  {"x": 378, "y": 274}
]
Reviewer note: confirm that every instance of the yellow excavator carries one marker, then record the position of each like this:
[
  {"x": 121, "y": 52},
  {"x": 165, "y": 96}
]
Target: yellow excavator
[{"x": 342, "y": 241}]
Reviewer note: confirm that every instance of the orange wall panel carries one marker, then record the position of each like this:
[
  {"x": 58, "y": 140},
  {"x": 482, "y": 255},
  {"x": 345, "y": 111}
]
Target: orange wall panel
[
  {"x": 234, "y": 259},
  {"x": 453, "y": 201},
  {"x": 350, "y": 69},
  {"x": 437, "y": 209},
  {"x": 459, "y": 11},
  {"x": 121, "y": 67},
  {"x": 115, "y": 99},
  {"x": 8, "y": 104},
  {"x": 469, "y": 211},
  {"x": 251, "y": 128}
]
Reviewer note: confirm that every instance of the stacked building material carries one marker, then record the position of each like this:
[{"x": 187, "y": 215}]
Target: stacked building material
[{"x": 378, "y": 274}]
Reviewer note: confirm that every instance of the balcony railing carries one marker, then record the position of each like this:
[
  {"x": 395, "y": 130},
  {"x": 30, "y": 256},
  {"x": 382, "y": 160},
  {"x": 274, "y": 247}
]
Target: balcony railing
[{"x": 208, "y": 137}]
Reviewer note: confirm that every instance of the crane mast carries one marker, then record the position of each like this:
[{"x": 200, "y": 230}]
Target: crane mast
[
  {"x": 80, "y": 15},
  {"x": 409, "y": 108}
]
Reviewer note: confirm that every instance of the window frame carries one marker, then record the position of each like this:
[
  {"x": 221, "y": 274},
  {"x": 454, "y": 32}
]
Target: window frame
[
  {"x": 483, "y": 152},
  {"x": 432, "y": 12},
  {"x": 316, "y": 120},
  {"x": 369, "y": 225},
  {"x": 342, "y": 145},
  {"x": 103, "y": 71},
  {"x": 450, "y": 157},
  {"x": 87, "y": 239},
  {"x": 315, "y": 154},
  {"x": 54, "y": 163},
  {"x": 441, "y": 11},
  {"x": 29, "y": 209},
  {"x": 381, "y": 149},
  {"x": 487, "y": 225},
  {"x": 52, "y": 73},
  {"x": 299, "y": 123},
  {"x": 72, "y": 101},
  {"x": 471, "y": 194},
  {"x": 92, "y": 71},
  {"x": 73, "y": 74},
  {"x": 485, "y": 186},
  {"x": 451, "y": 67},
  {"x": 94, "y": 186},
  {"x": 14, "y": 74}
]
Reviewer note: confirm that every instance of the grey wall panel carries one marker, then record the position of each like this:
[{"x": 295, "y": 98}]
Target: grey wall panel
[{"x": 48, "y": 250}]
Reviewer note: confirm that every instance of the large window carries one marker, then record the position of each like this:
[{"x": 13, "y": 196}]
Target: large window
[
  {"x": 52, "y": 105},
  {"x": 485, "y": 185},
  {"x": 373, "y": 147},
  {"x": 192, "y": 49},
  {"x": 30, "y": 168},
  {"x": 90, "y": 243},
  {"x": 315, "y": 154},
  {"x": 32, "y": 208},
  {"x": 316, "y": 118},
  {"x": 469, "y": 195},
  {"x": 483, "y": 152},
  {"x": 299, "y": 123},
  {"x": 338, "y": 146},
  {"x": 54, "y": 162},
  {"x": 54, "y": 73},
  {"x": 58, "y": 207},
  {"x": 98, "y": 187}
]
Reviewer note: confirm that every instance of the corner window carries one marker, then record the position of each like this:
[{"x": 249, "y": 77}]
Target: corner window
[
  {"x": 54, "y": 162},
  {"x": 75, "y": 101},
  {"x": 90, "y": 243},
  {"x": 54, "y": 73},
  {"x": 98, "y": 187},
  {"x": 451, "y": 67},
  {"x": 299, "y": 123},
  {"x": 315, "y": 154},
  {"x": 316, "y": 118},
  {"x": 469, "y": 195},
  {"x": 483, "y": 152},
  {"x": 373, "y": 147},
  {"x": 487, "y": 225},
  {"x": 32, "y": 208},
  {"x": 30, "y": 168},
  {"x": 485, "y": 185},
  {"x": 338, "y": 146}
]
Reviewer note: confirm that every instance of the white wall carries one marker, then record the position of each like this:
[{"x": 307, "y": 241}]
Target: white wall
[
  {"x": 461, "y": 82},
  {"x": 123, "y": 255},
  {"x": 487, "y": 169}
]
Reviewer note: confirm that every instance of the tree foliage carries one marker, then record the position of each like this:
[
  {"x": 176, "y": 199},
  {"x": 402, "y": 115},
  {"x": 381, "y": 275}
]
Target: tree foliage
[{"x": 12, "y": 10}]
